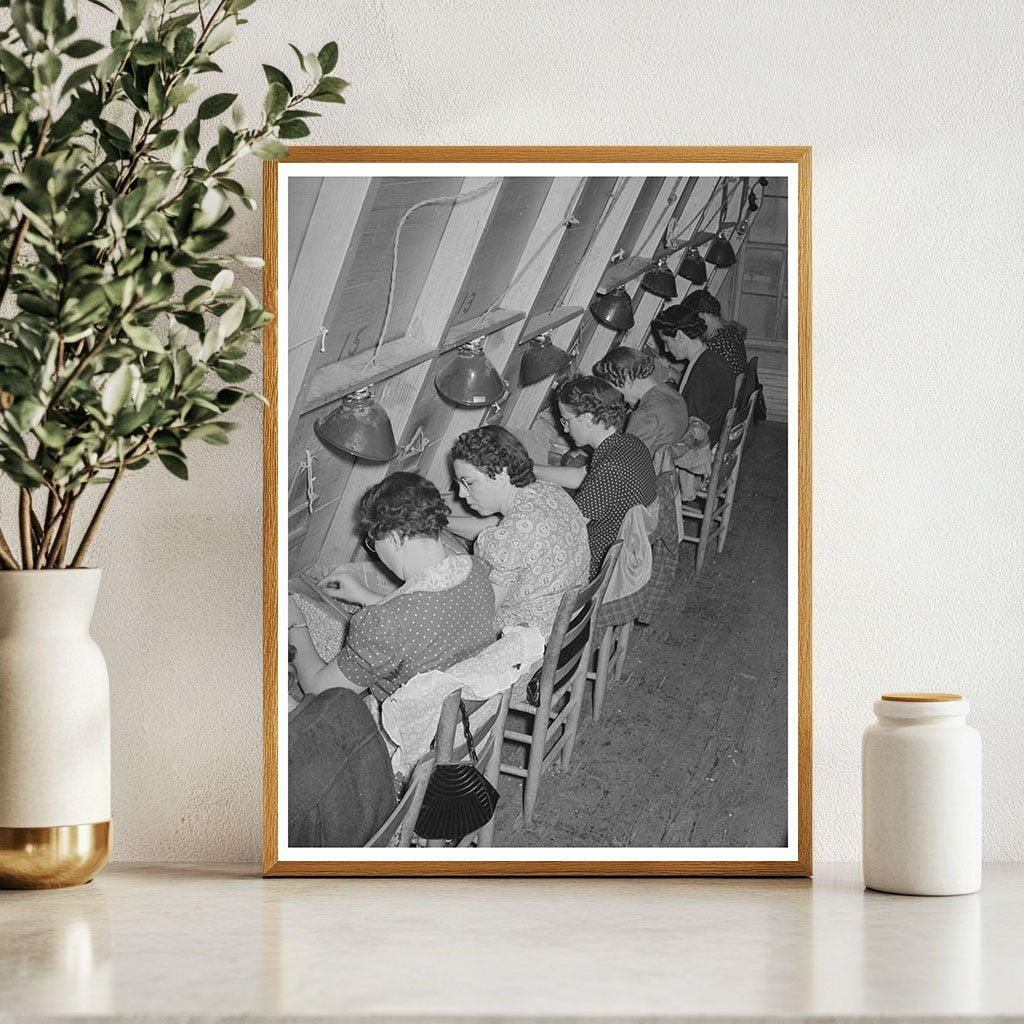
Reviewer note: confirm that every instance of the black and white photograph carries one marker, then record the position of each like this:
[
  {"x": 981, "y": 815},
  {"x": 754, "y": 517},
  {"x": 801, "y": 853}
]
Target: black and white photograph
[{"x": 538, "y": 478}]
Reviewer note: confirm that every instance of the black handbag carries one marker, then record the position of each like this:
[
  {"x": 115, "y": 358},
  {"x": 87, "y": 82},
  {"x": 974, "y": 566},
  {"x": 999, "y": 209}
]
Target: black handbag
[{"x": 458, "y": 799}]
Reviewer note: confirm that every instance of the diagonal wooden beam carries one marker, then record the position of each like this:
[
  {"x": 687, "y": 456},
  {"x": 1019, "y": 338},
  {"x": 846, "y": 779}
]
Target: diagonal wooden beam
[
  {"x": 332, "y": 537},
  {"x": 311, "y": 284}
]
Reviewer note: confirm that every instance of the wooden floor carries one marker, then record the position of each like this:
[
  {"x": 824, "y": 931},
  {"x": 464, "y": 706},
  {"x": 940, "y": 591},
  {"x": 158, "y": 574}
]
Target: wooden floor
[{"x": 691, "y": 746}]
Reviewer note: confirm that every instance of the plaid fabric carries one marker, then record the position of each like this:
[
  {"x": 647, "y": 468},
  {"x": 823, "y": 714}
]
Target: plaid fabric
[
  {"x": 625, "y": 609},
  {"x": 665, "y": 550}
]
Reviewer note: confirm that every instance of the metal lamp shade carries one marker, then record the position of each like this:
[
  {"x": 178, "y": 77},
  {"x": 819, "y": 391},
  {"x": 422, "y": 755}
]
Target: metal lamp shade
[
  {"x": 542, "y": 359},
  {"x": 614, "y": 310},
  {"x": 720, "y": 253},
  {"x": 359, "y": 427},
  {"x": 692, "y": 268},
  {"x": 470, "y": 379},
  {"x": 659, "y": 280}
]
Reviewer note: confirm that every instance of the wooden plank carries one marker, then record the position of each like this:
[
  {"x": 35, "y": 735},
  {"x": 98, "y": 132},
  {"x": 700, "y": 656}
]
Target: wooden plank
[
  {"x": 331, "y": 537},
  {"x": 625, "y": 271},
  {"x": 544, "y": 322},
  {"x": 548, "y": 228},
  {"x": 317, "y": 268},
  {"x": 339, "y": 379},
  {"x": 490, "y": 323}
]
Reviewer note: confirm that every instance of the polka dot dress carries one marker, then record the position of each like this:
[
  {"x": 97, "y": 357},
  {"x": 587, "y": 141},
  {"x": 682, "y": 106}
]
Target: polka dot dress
[
  {"x": 621, "y": 475},
  {"x": 727, "y": 342},
  {"x": 419, "y": 631}
]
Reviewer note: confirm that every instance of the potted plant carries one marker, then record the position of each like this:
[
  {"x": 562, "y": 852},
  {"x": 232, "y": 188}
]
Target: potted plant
[{"x": 122, "y": 338}]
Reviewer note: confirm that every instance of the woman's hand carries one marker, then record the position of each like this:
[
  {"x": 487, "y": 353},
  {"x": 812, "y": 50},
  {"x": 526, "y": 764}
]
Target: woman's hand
[{"x": 344, "y": 585}]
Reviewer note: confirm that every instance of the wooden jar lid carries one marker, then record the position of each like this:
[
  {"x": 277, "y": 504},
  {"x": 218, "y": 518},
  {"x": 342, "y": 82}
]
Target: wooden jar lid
[{"x": 921, "y": 698}]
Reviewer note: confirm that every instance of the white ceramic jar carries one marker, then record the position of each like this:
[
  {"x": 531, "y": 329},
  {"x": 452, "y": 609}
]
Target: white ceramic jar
[{"x": 921, "y": 777}]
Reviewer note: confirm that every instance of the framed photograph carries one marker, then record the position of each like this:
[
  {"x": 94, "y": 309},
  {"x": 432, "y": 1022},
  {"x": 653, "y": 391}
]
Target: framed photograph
[{"x": 537, "y": 522}]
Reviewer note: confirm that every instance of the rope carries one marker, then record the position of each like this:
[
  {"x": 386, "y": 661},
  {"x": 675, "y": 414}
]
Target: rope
[
  {"x": 461, "y": 197},
  {"x": 321, "y": 334}
]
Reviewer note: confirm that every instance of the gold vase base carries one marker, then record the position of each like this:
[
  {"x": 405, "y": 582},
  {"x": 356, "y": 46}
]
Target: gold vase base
[{"x": 53, "y": 857}]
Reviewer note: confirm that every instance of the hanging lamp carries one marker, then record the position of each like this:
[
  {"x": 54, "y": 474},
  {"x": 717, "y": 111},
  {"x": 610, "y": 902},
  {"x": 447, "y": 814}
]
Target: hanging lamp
[
  {"x": 541, "y": 359},
  {"x": 470, "y": 379},
  {"x": 613, "y": 309},
  {"x": 720, "y": 253},
  {"x": 358, "y": 427},
  {"x": 659, "y": 280},
  {"x": 692, "y": 268}
]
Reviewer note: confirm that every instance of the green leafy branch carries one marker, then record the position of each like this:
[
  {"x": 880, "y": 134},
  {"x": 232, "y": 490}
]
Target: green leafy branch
[{"x": 124, "y": 335}]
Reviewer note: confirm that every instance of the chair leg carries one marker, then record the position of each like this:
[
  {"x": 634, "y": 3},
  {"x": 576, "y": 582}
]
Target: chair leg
[
  {"x": 535, "y": 765},
  {"x": 572, "y": 723},
  {"x": 604, "y": 652},
  {"x": 727, "y": 511},
  {"x": 624, "y": 632},
  {"x": 485, "y": 837},
  {"x": 702, "y": 545}
]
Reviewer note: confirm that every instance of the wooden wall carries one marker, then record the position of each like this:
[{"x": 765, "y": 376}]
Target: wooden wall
[{"x": 505, "y": 258}]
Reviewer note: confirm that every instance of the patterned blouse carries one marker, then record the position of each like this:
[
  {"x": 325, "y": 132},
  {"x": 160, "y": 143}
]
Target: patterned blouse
[
  {"x": 727, "y": 342},
  {"x": 538, "y": 550},
  {"x": 621, "y": 475},
  {"x": 438, "y": 617}
]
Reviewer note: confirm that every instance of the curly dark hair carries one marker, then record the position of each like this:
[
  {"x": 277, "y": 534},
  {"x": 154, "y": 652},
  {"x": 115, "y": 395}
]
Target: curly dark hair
[
  {"x": 601, "y": 400},
  {"x": 673, "y": 319},
  {"x": 623, "y": 365},
  {"x": 702, "y": 301},
  {"x": 492, "y": 449},
  {"x": 406, "y": 503}
]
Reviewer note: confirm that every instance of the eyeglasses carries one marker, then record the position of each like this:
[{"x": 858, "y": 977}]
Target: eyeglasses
[{"x": 565, "y": 422}]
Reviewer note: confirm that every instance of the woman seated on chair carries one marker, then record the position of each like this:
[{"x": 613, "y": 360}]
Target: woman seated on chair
[
  {"x": 708, "y": 383},
  {"x": 620, "y": 473},
  {"x": 659, "y": 416},
  {"x": 441, "y": 614},
  {"x": 530, "y": 532}
]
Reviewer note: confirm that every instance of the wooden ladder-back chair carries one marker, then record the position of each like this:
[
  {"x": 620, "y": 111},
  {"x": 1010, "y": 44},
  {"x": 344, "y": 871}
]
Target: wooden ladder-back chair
[
  {"x": 714, "y": 511},
  {"x": 487, "y": 725},
  {"x": 562, "y": 682}
]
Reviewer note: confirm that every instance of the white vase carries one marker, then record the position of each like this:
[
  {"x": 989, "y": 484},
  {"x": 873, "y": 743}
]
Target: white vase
[{"x": 54, "y": 731}]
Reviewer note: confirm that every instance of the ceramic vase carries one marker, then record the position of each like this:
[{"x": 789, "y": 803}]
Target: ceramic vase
[
  {"x": 54, "y": 731},
  {"x": 921, "y": 772}
]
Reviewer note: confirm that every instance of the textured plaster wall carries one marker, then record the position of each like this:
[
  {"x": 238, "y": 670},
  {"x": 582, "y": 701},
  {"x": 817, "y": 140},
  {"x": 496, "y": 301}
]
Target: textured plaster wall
[{"x": 914, "y": 113}]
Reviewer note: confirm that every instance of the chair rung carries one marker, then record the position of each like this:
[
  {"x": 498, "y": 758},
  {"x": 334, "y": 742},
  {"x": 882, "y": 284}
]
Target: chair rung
[
  {"x": 511, "y": 769},
  {"x": 523, "y": 707},
  {"x": 518, "y": 737}
]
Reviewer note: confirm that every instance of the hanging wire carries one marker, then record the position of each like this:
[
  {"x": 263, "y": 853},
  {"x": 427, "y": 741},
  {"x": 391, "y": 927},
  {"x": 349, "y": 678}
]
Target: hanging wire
[{"x": 461, "y": 197}]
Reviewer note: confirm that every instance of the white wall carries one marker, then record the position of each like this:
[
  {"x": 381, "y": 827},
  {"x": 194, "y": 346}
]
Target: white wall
[{"x": 914, "y": 113}]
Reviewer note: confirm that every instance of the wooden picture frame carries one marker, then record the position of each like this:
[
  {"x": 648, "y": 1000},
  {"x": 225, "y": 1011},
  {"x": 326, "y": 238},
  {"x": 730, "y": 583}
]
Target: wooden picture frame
[{"x": 645, "y": 197}]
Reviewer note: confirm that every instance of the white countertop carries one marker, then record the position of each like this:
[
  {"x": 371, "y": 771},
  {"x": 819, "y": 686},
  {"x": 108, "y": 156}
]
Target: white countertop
[{"x": 216, "y": 941}]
